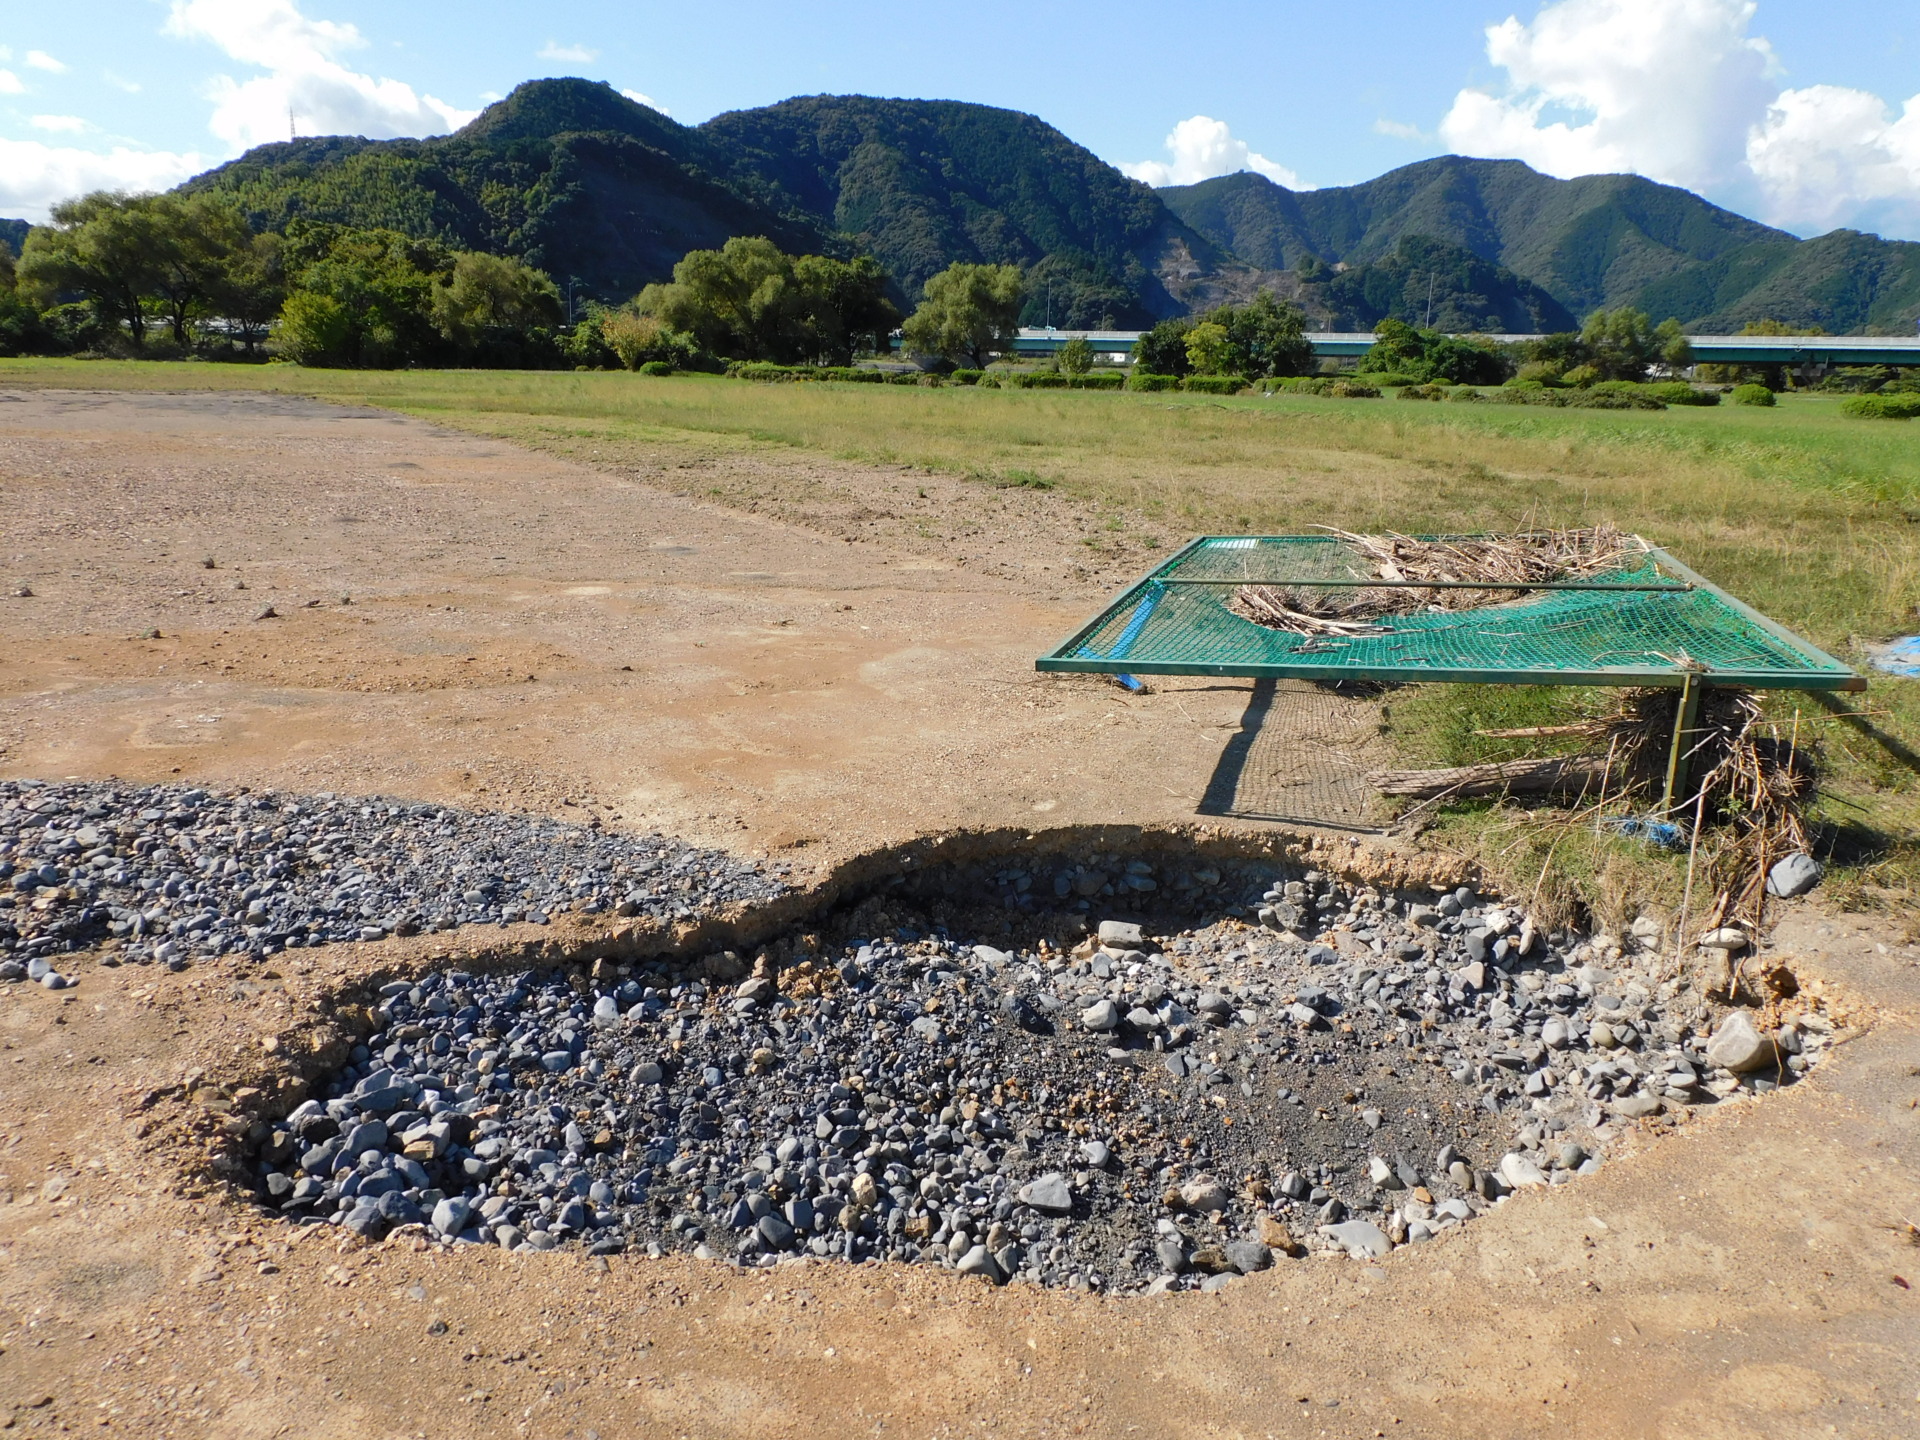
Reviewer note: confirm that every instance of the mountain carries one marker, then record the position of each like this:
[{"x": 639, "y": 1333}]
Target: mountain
[
  {"x": 575, "y": 178},
  {"x": 568, "y": 175},
  {"x": 13, "y": 234},
  {"x": 1433, "y": 284},
  {"x": 922, "y": 183},
  {"x": 1593, "y": 241}
]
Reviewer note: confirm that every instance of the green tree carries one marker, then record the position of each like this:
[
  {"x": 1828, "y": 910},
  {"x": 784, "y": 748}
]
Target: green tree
[
  {"x": 1265, "y": 338},
  {"x": 969, "y": 314},
  {"x": 195, "y": 239},
  {"x": 638, "y": 339},
  {"x": 1622, "y": 344},
  {"x": 1163, "y": 349},
  {"x": 381, "y": 285},
  {"x": 490, "y": 298},
  {"x": 1397, "y": 349},
  {"x": 1210, "y": 349},
  {"x": 103, "y": 246},
  {"x": 251, "y": 288},
  {"x": 1076, "y": 356},
  {"x": 1676, "y": 350},
  {"x": 749, "y": 300},
  {"x": 843, "y": 307}
]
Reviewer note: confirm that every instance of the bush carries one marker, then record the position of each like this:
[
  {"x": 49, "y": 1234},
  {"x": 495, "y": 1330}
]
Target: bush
[
  {"x": 1539, "y": 372},
  {"x": 1466, "y": 393},
  {"x": 1147, "y": 380},
  {"x": 1101, "y": 380},
  {"x": 906, "y": 377},
  {"x": 1582, "y": 375},
  {"x": 1048, "y": 380},
  {"x": 761, "y": 370},
  {"x": 966, "y": 377},
  {"x": 1389, "y": 379},
  {"x": 1424, "y": 392},
  {"x": 1214, "y": 384},
  {"x": 1881, "y": 407},
  {"x": 1752, "y": 395},
  {"x": 1679, "y": 392},
  {"x": 654, "y": 367}
]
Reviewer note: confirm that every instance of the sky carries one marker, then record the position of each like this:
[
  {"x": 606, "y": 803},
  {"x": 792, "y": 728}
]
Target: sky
[{"x": 1806, "y": 116}]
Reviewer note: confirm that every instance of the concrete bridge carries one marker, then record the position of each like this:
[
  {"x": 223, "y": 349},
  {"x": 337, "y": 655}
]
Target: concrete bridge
[{"x": 1794, "y": 351}]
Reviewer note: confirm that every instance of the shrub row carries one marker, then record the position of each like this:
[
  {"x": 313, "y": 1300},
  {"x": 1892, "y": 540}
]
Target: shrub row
[
  {"x": 1338, "y": 387},
  {"x": 1055, "y": 380},
  {"x": 1594, "y": 399},
  {"x": 1882, "y": 407}
]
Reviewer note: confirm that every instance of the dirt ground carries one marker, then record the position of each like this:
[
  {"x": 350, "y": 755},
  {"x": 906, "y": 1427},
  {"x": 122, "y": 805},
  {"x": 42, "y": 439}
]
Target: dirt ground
[{"x": 523, "y": 631}]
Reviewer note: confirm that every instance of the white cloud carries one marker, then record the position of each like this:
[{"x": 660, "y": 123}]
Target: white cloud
[
  {"x": 132, "y": 87},
  {"x": 1829, "y": 156},
  {"x": 306, "y": 85},
  {"x": 1202, "y": 148},
  {"x": 1666, "y": 88},
  {"x": 63, "y": 124},
  {"x": 567, "y": 54},
  {"x": 646, "y": 100},
  {"x": 40, "y": 60},
  {"x": 1398, "y": 130},
  {"x": 10, "y": 84},
  {"x": 1683, "y": 92},
  {"x": 33, "y": 175}
]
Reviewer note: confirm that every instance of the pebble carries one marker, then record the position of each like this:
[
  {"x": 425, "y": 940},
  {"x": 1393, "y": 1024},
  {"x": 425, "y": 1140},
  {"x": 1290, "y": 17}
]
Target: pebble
[
  {"x": 1793, "y": 875},
  {"x": 897, "y": 1088},
  {"x": 174, "y": 873},
  {"x": 1359, "y": 1238},
  {"x": 1738, "y": 1046}
]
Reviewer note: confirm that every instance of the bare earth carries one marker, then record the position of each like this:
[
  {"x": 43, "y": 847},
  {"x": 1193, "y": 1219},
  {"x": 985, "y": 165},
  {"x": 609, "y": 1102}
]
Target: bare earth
[{"x": 525, "y": 632}]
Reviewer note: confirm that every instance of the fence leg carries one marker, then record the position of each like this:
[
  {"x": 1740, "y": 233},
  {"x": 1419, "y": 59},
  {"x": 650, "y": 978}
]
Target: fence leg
[{"x": 1686, "y": 718}]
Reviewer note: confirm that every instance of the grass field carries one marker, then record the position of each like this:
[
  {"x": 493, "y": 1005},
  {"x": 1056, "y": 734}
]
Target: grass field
[{"x": 1809, "y": 515}]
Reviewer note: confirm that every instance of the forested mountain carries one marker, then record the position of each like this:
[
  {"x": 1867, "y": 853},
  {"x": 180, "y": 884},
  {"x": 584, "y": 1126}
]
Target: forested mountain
[
  {"x": 574, "y": 178},
  {"x": 1597, "y": 240},
  {"x": 13, "y": 234},
  {"x": 568, "y": 175},
  {"x": 922, "y": 183}
]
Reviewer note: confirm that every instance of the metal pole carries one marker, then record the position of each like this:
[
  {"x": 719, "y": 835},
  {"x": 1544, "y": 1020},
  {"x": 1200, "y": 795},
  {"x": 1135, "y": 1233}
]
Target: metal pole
[{"x": 1686, "y": 719}]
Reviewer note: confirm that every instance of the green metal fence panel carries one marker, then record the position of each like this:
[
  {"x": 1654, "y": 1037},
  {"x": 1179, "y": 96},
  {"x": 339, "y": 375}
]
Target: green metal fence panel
[{"x": 1652, "y": 621}]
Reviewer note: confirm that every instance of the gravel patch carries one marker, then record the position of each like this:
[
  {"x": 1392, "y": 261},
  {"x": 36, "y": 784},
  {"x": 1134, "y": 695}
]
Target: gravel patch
[
  {"x": 170, "y": 873},
  {"x": 1160, "y": 1106}
]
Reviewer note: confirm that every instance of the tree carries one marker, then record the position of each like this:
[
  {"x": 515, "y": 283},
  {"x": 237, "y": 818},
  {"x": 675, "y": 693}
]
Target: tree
[
  {"x": 1209, "y": 348},
  {"x": 1621, "y": 344},
  {"x": 638, "y": 339},
  {"x": 1676, "y": 350},
  {"x": 195, "y": 238},
  {"x": 749, "y": 300},
  {"x": 489, "y": 297},
  {"x": 103, "y": 246},
  {"x": 1076, "y": 356},
  {"x": 1265, "y": 338},
  {"x": 251, "y": 288},
  {"x": 1397, "y": 349},
  {"x": 1163, "y": 349},
  {"x": 969, "y": 314},
  {"x": 381, "y": 287}
]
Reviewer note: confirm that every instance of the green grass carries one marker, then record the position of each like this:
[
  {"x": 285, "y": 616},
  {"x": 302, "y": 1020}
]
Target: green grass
[{"x": 1810, "y": 515}]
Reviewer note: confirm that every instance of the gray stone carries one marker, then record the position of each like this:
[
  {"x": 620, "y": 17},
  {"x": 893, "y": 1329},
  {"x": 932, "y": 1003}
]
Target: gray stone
[
  {"x": 1794, "y": 875},
  {"x": 979, "y": 1261},
  {"x": 1050, "y": 1193},
  {"x": 1097, "y": 1154},
  {"x": 1520, "y": 1173},
  {"x": 1121, "y": 932},
  {"x": 1204, "y": 1196},
  {"x": 451, "y": 1214},
  {"x": 1737, "y": 1046},
  {"x": 1172, "y": 1255},
  {"x": 1247, "y": 1256},
  {"x": 1360, "y": 1238},
  {"x": 1381, "y": 1174},
  {"x": 1101, "y": 1016}
]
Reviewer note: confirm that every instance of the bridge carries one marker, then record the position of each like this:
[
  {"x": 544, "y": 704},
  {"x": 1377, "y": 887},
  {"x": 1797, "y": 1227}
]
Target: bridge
[{"x": 1794, "y": 351}]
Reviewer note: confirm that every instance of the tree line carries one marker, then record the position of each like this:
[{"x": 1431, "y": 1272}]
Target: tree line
[
  {"x": 179, "y": 274},
  {"x": 172, "y": 275}
]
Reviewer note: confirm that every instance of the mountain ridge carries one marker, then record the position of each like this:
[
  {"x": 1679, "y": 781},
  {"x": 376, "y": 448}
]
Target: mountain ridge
[{"x": 577, "y": 179}]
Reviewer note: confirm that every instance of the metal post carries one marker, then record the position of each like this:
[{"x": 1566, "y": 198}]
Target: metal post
[{"x": 1686, "y": 719}]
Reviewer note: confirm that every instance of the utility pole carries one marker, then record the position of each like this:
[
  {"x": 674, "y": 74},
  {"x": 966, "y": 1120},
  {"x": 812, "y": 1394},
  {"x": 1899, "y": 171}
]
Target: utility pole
[{"x": 1429, "y": 324}]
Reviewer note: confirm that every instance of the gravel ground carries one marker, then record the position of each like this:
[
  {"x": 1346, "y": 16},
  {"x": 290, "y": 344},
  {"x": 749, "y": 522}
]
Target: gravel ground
[
  {"x": 1319, "y": 1070},
  {"x": 168, "y": 873}
]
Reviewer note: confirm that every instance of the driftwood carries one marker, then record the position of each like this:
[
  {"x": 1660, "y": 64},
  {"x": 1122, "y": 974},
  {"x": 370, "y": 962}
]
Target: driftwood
[{"x": 1534, "y": 777}]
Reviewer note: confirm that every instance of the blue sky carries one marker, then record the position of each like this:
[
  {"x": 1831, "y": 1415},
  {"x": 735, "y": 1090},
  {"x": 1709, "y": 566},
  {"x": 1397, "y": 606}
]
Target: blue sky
[{"x": 1796, "y": 113}]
